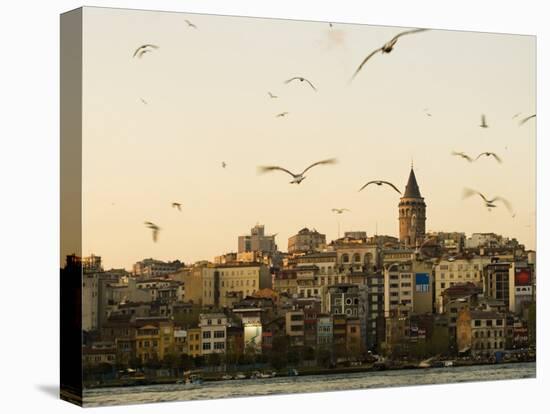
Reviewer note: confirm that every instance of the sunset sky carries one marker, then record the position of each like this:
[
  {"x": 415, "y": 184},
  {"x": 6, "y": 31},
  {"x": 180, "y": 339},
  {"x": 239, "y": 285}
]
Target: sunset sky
[{"x": 207, "y": 101}]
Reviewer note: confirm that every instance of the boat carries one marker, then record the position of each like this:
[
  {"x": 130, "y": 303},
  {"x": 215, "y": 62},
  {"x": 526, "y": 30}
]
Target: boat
[
  {"x": 227, "y": 377},
  {"x": 240, "y": 376}
]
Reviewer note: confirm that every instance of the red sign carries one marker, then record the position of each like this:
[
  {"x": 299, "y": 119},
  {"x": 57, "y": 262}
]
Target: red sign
[{"x": 523, "y": 276}]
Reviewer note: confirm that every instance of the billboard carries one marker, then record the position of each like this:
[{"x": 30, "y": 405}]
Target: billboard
[
  {"x": 522, "y": 276},
  {"x": 422, "y": 282},
  {"x": 253, "y": 336}
]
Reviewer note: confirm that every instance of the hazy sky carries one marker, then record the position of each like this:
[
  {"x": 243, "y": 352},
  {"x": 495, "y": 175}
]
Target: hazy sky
[{"x": 206, "y": 93}]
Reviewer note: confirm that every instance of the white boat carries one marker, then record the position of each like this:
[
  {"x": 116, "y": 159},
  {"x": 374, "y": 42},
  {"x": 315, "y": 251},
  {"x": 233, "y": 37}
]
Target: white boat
[{"x": 240, "y": 376}]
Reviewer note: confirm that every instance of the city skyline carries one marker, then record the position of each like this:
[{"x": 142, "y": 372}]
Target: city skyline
[{"x": 149, "y": 141}]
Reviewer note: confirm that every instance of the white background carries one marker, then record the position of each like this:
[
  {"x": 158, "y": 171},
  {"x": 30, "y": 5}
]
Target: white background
[{"x": 29, "y": 208}]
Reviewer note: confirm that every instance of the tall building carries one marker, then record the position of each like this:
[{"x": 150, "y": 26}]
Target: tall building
[
  {"x": 306, "y": 241},
  {"x": 257, "y": 241},
  {"x": 412, "y": 214}
]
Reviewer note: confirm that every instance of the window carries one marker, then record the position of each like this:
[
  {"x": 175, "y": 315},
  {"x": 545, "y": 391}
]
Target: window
[
  {"x": 206, "y": 335},
  {"x": 489, "y": 322},
  {"x": 206, "y": 346},
  {"x": 477, "y": 322},
  {"x": 219, "y": 334},
  {"x": 219, "y": 345},
  {"x": 443, "y": 285}
]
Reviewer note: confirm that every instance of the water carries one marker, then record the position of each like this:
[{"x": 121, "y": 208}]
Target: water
[{"x": 304, "y": 384}]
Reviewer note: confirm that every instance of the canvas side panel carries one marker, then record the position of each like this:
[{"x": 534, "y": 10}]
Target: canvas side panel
[{"x": 71, "y": 207}]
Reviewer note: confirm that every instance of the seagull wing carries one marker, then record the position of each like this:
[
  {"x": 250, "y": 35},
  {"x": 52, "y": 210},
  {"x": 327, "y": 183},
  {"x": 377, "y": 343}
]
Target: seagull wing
[
  {"x": 463, "y": 155},
  {"x": 505, "y": 202},
  {"x": 311, "y": 84},
  {"x": 391, "y": 185},
  {"x": 394, "y": 39},
  {"x": 291, "y": 79},
  {"x": 329, "y": 161},
  {"x": 268, "y": 168},
  {"x": 137, "y": 51},
  {"x": 468, "y": 192},
  {"x": 524, "y": 120},
  {"x": 155, "y": 233},
  {"x": 496, "y": 157},
  {"x": 365, "y": 61},
  {"x": 370, "y": 182}
]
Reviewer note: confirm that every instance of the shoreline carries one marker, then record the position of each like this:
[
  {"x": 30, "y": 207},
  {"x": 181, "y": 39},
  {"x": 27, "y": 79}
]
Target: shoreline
[{"x": 302, "y": 372}]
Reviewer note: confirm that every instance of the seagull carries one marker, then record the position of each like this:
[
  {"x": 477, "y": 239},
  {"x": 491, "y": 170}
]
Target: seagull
[
  {"x": 339, "y": 210},
  {"x": 380, "y": 182},
  {"x": 272, "y": 96},
  {"x": 463, "y": 155},
  {"x": 297, "y": 178},
  {"x": 144, "y": 101},
  {"x": 330, "y": 24},
  {"x": 140, "y": 51},
  {"x": 524, "y": 120},
  {"x": 224, "y": 164},
  {"x": 190, "y": 24},
  {"x": 301, "y": 80},
  {"x": 386, "y": 48},
  {"x": 177, "y": 205},
  {"x": 516, "y": 115},
  {"x": 426, "y": 112},
  {"x": 489, "y": 154},
  {"x": 489, "y": 203},
  {"x": 282, "y": 114},
  {"x": 155, "y": 229},
  {"x": 483, "y": 122}
]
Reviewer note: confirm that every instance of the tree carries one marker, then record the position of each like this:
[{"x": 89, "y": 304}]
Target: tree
[
  {"x": 324, "y": 358},
  {"x": 186, "y": 362},
  {"x": 214, "y": 359},
  {"x": 439, "y": 342},
  {"x": 309, "y": 353},
  {"x": 532, "y": 324}
]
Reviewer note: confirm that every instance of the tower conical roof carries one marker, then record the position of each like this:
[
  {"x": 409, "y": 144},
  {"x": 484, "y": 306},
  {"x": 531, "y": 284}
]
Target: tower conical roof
[{"x": 412, "y": 190}]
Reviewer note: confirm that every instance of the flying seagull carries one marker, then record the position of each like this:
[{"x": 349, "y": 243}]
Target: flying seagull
[
  {"x": 524, "y": 120},
  {"x": 155, "y": 229},
  {"x": 190, "y": 24},
  {"x": 224, "y": 164},
  {"x": 272, "y": 96},
  {"x": 426, "y": 112},
  {"x": 330, "y": 24},
  {"x": 177, "y": 205},
  {"x": 463, "y": 155},
  {"x": 297, "y": 178},
  {"x": 282, "y": 114},
  {"x": 489, "y": 203},
  {"x": 386, "y": 48},
  {"x": 140, "y": 51},
  {"x": 143, "y": 100},
  {"x": 380, "y": 182},
  {"x": 301, "y": 80},
  {"x": 516, "y": 115},
  {"x": 489, "y": 154},
  {"x": 483, "y": 122},
  {"x": 339, "y": 210}
]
